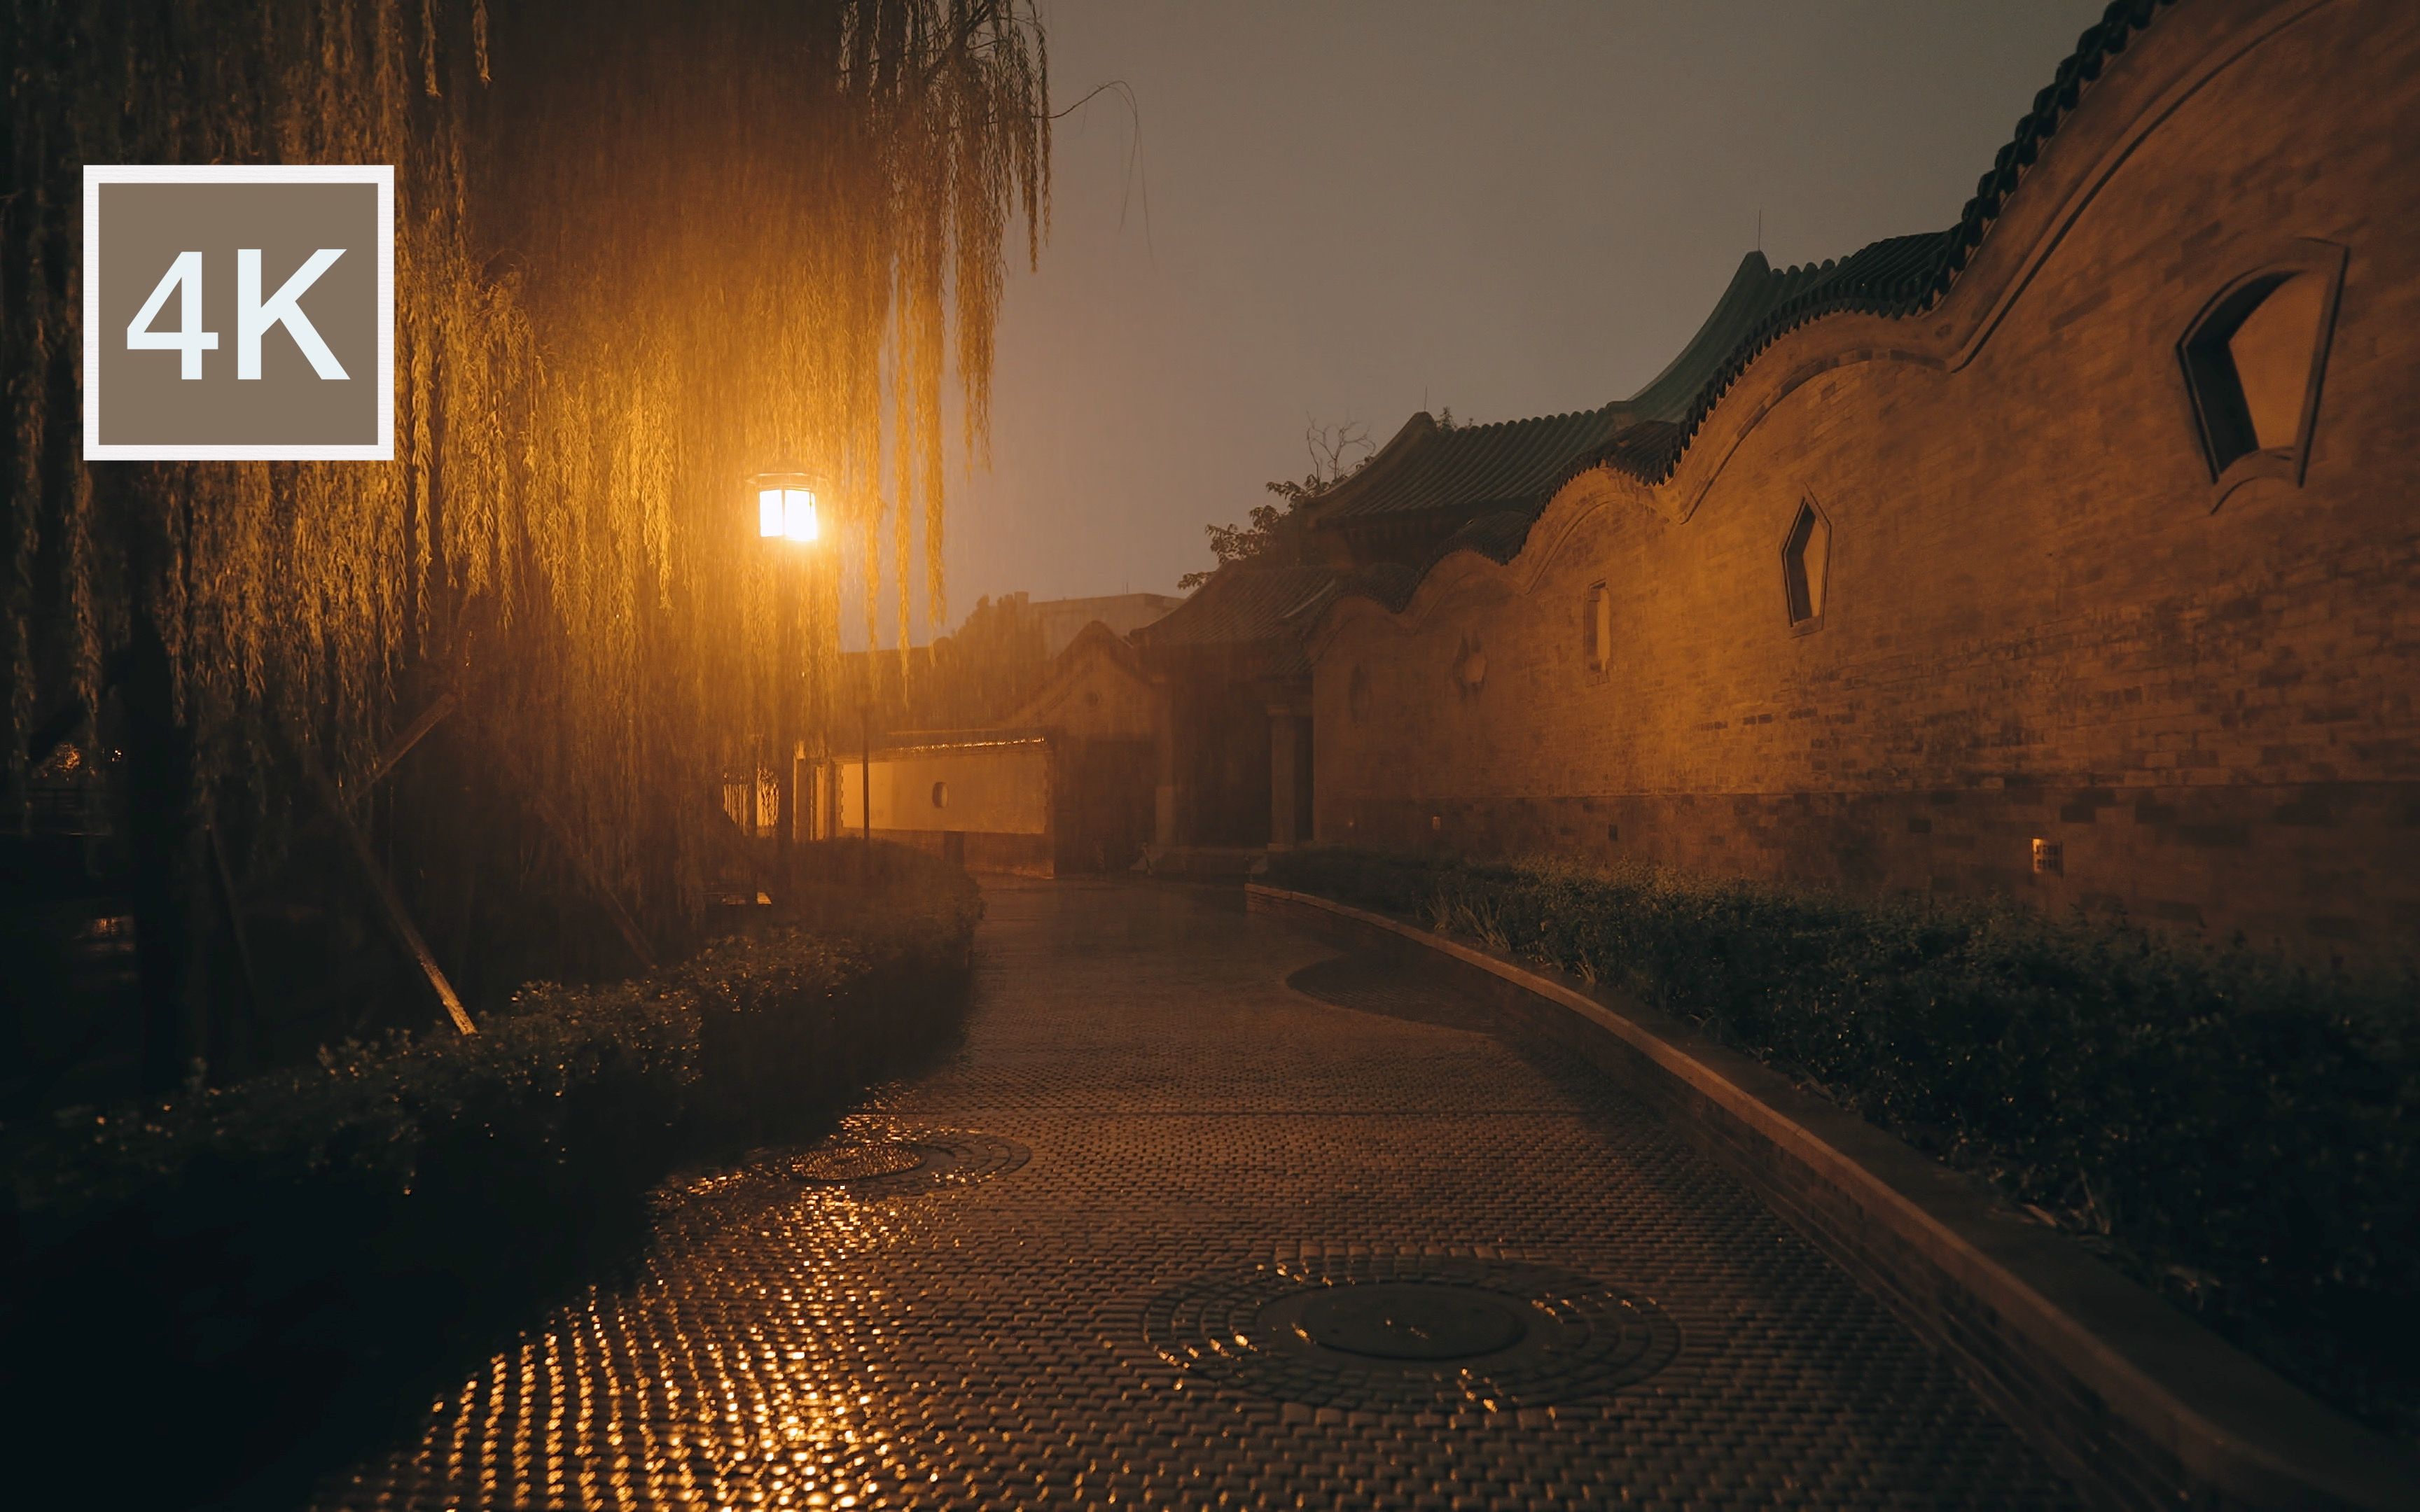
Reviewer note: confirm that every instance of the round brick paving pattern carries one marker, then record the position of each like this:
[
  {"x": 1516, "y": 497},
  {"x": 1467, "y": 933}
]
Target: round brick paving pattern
[{"x": 1172, "y": 1232}]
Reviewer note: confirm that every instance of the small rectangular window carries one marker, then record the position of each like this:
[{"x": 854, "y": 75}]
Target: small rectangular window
[{"x": 1600, "y": 626}]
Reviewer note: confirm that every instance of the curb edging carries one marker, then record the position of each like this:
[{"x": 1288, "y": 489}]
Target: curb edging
[{"x": 2136, "y": 1403}]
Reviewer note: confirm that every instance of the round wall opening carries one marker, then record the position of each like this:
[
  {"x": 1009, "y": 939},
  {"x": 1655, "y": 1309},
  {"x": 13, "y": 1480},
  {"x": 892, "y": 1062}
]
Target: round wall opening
[{"x": 941, "y": 795}]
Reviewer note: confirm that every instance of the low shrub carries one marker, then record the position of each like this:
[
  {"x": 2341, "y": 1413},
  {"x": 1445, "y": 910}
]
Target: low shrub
[
  {"x": 807, "y": 1016},
  {"x": 255, "y": 1272},
  {"x": 2236, "y": 1132}
]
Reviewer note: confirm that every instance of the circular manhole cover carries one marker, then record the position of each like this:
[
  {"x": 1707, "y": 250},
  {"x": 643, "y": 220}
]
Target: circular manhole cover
[
  {"x": 844, "y": 1159},
  {"x": 871, "y": 1156},
  {"x": 1404, "y": 1321},
  {"x": 1412, "y": 1333}
]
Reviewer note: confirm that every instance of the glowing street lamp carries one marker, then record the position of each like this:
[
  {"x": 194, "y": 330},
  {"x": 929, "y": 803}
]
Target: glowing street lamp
[{"x": 785, "y": 509}]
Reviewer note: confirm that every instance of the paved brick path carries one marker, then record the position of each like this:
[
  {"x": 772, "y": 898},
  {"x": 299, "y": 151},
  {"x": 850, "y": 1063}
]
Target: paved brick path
[{"x": 1151, "y": 1137}]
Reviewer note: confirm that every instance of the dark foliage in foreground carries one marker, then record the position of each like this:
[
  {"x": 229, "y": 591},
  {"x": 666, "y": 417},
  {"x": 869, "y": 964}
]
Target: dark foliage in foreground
[
  {"x": 2240, "y": 1135},
  {"x": 244, "y": 1277}
]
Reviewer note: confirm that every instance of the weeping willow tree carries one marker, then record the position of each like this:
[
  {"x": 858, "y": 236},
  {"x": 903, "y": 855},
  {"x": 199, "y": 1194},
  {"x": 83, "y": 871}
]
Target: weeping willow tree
[{"x": 643, "y": 250}]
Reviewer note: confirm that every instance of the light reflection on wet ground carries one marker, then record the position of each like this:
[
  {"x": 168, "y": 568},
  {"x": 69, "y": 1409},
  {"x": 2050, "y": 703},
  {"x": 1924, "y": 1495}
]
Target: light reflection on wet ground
[{"x": 962, "y": 1326}]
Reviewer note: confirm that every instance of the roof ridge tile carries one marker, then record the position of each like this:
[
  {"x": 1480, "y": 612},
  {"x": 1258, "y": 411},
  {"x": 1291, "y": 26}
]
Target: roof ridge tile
[
  {"x": 1913, "y": 285},
  {"x": 1647, "y": 434}
]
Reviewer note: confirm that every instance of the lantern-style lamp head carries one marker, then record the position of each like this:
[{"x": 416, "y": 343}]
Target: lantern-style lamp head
[
  {"x": 785, "y": 507},
  {"x": 788, "y": 512}
]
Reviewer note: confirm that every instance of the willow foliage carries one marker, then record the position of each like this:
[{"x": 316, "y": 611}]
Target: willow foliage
[{"x": 645, "y": 250}]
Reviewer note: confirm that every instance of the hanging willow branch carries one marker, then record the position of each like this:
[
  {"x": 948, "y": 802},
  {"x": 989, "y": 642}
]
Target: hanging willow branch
[{"x": 644, "y": 248}]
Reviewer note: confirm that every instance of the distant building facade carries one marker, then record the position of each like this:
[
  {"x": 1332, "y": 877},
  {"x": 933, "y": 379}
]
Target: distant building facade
[
  {"x": 2071, "y": 553},
  {"x": 1061, "y": 783},
  {"x": 1062, "y": 619}
]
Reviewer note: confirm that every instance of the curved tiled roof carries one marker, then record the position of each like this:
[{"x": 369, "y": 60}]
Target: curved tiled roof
[
  {"x": 1503, "y": 474},
  {"x": 2101, "y": 41},
  {"x": 1068, "y": 665},
  {"x": 1897, "y": 277},
  {"x": 1521, "y": 463},
  {"x": 1389, "y": 584},
  {"x": 1242, "y": 603},
  {"x": 1498, "y": 536},
  {"x": 1427, "y": 467},
  {"x": 1516, "y": 466},
  {"x": 1886, "y": 276}
]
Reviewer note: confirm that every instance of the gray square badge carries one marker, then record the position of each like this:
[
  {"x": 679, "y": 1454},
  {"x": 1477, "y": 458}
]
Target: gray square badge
[{"x": 238, "y": 314}]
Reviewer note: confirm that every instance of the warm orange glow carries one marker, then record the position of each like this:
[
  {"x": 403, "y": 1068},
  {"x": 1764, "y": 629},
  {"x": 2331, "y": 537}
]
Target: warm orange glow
[{"x": 787, "y": 513}]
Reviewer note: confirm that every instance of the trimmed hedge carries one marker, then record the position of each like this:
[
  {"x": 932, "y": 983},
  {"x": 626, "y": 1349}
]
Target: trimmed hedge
[
  {"x": 2237, "y": 1134},
  {"x": 245, "y": 1279}
]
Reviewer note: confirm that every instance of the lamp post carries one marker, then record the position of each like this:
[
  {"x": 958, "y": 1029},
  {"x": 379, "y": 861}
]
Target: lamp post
[{"x": 788, "y": 521}]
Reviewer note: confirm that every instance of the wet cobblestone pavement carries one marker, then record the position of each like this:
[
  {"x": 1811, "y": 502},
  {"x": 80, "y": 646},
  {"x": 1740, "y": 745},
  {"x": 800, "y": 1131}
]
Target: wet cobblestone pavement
[{"x": 1173, "y": 1233}]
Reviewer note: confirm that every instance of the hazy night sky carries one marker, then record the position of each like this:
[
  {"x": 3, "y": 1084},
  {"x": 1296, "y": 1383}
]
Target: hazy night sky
[{"x": 1357, "y": 209}]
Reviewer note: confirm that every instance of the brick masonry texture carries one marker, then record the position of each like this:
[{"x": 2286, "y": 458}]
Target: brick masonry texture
[
  {"x": 1190, "y": 1123},
  {"x": 2036, "y": 623}
]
